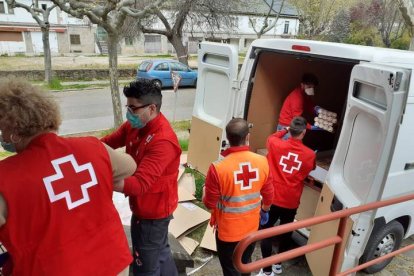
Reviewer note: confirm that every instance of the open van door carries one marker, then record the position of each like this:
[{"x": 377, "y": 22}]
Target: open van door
[
  {"x": 214, "y": 102},
  {"x": 376, "y": 99}
]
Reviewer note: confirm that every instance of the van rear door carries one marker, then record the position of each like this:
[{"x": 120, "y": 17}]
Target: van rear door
[
  {"x": 376, "y": 99},
  {"x": 214, "y": 102}
]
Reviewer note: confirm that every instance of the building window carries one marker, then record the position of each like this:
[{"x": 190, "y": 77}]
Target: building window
[
  {"x": 44, "y": 7},
  {"x": 286, "y": 30},
  {"x": 2, "y": 9},
  {"x": 75, "y": 39},
  {"x": 129, "y": 41}
]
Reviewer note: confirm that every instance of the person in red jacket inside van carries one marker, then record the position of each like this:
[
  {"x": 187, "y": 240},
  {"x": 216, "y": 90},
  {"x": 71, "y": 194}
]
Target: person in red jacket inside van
[
  {"x": 152, "y": 190},
  {"x": 299, "y": 102},
  {"x": 290, "y": 162}
]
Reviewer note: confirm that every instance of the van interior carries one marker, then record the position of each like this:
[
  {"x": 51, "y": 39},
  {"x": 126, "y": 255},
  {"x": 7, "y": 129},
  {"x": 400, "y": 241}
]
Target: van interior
[{"x": 275, "y": 75}]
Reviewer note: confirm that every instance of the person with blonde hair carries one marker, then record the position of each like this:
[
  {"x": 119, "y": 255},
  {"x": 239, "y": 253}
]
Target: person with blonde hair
[{"x": 56, "y": 210}]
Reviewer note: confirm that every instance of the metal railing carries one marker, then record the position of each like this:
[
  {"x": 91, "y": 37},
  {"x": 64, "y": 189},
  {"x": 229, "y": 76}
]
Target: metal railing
[{"x": 337, "y": 240}]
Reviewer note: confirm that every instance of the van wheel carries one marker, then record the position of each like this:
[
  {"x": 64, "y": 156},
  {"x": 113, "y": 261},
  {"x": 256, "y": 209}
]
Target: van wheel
[
  {"x": 385, "y": 240},
  {"x": 157, "y": 83}
]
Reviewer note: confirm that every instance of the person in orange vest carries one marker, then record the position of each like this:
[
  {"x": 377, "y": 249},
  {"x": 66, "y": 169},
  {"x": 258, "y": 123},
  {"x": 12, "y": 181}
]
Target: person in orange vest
[
  {"x": 232, "y": 191},
  {"x": 56, "y": 211},
  {"x": 290, "y": 163}
]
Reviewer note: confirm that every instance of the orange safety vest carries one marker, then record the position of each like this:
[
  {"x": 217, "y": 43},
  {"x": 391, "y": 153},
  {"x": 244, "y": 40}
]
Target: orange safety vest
[{"x": 241, "y": 176}]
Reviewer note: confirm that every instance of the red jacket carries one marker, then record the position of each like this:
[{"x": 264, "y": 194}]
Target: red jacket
[
  {"x": 61, "y": 219},
  {"x": 290, "y": 163},
  {"x": 295, "y": 104},
  {"x": 153, "y": 188}
]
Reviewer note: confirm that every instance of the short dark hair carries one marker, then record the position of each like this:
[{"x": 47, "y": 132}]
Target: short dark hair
[
  {"x": 297, "y": 126},
  {"x": 145, "y": 91},
  {"x": 236, "y": 132},
  {"x": 309, "y": 78}
]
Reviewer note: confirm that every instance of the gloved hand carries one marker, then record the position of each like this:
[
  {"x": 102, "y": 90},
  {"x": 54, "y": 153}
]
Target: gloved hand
[
  {"x": 316, "y": 128},
  {"x": 317, "y": 108},
  {"x": 264, "y": 217}
]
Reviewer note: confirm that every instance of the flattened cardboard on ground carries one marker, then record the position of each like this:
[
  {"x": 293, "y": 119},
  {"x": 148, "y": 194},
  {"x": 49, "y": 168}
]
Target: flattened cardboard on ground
[
  {"x": 187, "y": 181},
  {"x": 186, "y": 217},
  {"x": 184, "y": 195},
  {"x": 209, "y": 240},
  {"x": 188, "y": 243}
]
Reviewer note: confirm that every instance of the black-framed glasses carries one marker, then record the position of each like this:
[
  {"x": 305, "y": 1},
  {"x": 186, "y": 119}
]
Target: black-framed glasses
[{"x": 133, "y": 108}]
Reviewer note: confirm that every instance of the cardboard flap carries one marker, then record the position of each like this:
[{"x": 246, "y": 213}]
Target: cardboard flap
[
  {"x": 187, "y": 216},
  {"x": 209, "y": 239}
]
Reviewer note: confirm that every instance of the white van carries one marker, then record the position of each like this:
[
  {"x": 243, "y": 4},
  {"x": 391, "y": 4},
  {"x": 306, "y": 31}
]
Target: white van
[{"x": 369, "y": 157}]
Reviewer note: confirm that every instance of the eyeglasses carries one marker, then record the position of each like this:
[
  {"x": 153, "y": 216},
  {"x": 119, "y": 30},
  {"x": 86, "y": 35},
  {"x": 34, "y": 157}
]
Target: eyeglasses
[{"x": 133, "y": 108}]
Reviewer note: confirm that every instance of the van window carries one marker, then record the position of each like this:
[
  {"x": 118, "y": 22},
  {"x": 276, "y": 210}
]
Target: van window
[{"x": 370, "y": 94}]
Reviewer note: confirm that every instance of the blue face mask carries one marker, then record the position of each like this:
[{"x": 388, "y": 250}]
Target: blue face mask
[
  {"x": 7, "y": 146},
  {"x": 134, "y": 120}
]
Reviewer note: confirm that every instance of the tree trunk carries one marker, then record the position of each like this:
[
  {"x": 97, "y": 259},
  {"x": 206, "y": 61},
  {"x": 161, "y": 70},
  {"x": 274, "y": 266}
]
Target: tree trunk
[
  {"x": 412, "y": 44},
  {"x": 179, "y": 47},
  {"x": 113, "y": 78},
  {"x": 47, "y": 54}
]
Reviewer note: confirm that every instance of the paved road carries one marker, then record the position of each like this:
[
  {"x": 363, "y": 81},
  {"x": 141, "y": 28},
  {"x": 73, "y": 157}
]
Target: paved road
[{"x": 90, "y": 110}]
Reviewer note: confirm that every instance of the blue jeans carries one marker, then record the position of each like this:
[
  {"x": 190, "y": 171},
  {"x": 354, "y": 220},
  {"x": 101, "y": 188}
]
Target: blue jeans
[
  {"x": 280, "y": 127},
  {"x": 151, "y": 251}
]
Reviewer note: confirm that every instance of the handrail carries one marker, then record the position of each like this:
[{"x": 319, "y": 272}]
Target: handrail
[{"x": 335, "y": 240}]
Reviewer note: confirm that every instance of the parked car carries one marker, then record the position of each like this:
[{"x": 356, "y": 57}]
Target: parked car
[{"x": 159, "y": 71}]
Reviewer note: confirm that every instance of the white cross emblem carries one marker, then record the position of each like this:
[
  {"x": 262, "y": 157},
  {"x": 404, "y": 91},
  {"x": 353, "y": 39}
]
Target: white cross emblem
[
  {"x": 246, "y": 173},
  {"x": 290, "y": 165},
  {"x": 59, "y": 175}
]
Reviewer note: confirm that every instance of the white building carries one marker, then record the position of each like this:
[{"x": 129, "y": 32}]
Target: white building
[
  {"x": 242, "y": 33},
  {"x": 20, "y": 34}
]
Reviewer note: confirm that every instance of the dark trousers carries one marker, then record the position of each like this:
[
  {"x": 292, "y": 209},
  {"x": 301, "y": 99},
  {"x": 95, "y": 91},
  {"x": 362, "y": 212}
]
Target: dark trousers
[
  {"x": 151, "y": 251},
  {"x": 225, "y": 253},
  {"x": 286, "y": 216}
]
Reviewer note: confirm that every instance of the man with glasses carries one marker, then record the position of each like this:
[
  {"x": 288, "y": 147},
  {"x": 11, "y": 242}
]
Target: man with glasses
[{"x": 149, "y": 139}]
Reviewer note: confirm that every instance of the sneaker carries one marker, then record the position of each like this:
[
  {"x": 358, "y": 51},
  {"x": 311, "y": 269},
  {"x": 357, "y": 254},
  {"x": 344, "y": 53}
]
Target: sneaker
[
  {"x": 262, "y": 273},
  {"x": 277, "y": 269}
]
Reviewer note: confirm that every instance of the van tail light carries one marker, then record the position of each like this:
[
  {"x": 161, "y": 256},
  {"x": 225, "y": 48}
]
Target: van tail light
[{"x": 301, "y": 48}]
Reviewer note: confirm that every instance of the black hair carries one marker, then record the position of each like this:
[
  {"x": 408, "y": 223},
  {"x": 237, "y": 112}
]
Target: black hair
[
  {"x": 236, "y": 132},
  {"x": 297, "y": 126},
  {"x": 145, "y": 91},
  {"x": 309, "y": 78}
]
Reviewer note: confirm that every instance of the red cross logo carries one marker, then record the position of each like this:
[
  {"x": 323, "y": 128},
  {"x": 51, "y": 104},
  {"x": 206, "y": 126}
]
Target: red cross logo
[
  {"x": 290, "y": 163},
  {"x": 65, "y": 187},
  {"x": 246, "y": 176}
]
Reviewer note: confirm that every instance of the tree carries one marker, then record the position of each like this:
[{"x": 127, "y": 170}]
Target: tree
[
  {"x": 378, "y": 18},
  {"x": 110, "y": 15},
  {"x": 265, "y": 24},
  {"x": 340, "y": 27},
  {"x": 41, "y": 16},
  {"x": 316, "y": 16},
  {"x": 176, "y": 15},
  {"x": 407, "y": 12}
]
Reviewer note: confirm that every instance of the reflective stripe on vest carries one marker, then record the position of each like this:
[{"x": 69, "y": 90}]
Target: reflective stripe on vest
[
  {"x": 243, "y": 209},
  {"x": 240, "y": 198}
]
